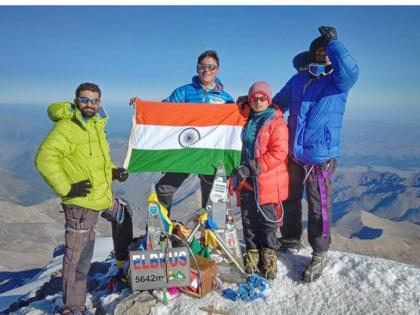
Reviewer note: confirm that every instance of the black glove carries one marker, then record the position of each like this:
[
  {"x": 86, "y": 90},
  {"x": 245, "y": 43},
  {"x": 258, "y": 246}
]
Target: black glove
[
  {"x": 119, "y": 174},
  {"x": 80, "y": 189},
  {"x": 328, "y": 33},
  {"x": 242, "y": 172}
]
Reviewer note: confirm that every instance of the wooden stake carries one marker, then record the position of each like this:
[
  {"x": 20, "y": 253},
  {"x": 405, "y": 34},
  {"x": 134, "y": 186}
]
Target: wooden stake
[{"x": 211, "y": 310}]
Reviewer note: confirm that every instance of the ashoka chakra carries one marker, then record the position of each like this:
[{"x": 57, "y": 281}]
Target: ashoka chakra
[{"x": 188, "y": 137}]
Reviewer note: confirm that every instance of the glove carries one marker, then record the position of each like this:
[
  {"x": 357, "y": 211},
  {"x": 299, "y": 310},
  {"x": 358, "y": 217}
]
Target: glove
[
  {"x": 328, "y": 33},
  {"x": 133, "y": 100},
  {"x": 242, "y": 172},
  {"x": 119, "y": 174},
  {"x": 80, "y": 189}
]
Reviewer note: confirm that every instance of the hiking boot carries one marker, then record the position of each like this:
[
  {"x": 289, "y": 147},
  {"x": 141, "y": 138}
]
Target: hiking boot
[
  {"x": 290, "y": 243},
  {"x": 314, "y": 270},
  {"x": 252, "y": 260},
  {"x": 269, "y": 263}
]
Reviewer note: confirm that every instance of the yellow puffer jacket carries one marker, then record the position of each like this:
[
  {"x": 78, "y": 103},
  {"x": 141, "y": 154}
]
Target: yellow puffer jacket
[{"x": 76, "y": 149}]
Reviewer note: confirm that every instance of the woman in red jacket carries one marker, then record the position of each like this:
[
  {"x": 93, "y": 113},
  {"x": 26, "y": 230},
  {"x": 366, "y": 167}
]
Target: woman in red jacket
[{"x": 263, "y": 176}]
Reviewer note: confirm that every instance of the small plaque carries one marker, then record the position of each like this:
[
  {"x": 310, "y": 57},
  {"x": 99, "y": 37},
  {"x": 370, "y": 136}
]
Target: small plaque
[{"x": 155, "y": 269}]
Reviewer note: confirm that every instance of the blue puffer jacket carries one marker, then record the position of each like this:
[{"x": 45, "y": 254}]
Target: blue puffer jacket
[
  {"x": 194, "y": 93},
  {"x": 316, "y": 107}
]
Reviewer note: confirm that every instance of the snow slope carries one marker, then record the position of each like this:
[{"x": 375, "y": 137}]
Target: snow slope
[
  {"x": 351, "y": 284},
  {"x": 103, "y": 247}
]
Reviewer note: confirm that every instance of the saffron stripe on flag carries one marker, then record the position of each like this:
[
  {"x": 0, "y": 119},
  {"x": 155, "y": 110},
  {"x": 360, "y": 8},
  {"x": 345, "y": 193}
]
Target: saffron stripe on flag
[
  {"x": 186, "y": 160},
  {"x": 187, "y": 114}
]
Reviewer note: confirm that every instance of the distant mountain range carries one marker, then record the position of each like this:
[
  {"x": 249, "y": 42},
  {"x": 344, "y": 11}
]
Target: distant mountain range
[
  {"x": 384, "y": 193},
  {"x": 28, "y": 234}
]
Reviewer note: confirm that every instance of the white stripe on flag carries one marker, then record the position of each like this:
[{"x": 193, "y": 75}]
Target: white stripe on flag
[{"x": 152, "y": 137}]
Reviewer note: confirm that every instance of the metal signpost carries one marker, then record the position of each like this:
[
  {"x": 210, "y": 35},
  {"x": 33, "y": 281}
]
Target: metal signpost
[{"x": 228, "y": 256}]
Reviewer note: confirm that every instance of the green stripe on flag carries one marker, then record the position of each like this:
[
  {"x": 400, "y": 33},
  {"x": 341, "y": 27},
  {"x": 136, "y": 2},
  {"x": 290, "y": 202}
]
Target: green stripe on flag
[{"x": 186, "y": 160}]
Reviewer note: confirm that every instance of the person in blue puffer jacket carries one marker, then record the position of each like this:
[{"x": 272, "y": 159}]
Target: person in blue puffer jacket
[
  {"x": 204, "y": 88},
  {"x": 199, "y": 92},
  {"x": 315, "y": 99}
]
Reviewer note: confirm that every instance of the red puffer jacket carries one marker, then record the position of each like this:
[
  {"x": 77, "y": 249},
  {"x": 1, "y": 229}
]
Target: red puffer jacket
[{"x": 271, "y": 149}]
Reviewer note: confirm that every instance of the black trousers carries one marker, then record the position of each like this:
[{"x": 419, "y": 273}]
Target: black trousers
[
  {"x": 122, "y": 233},
  {"x": 170, "y": 182},
  {"x": 292, "y": 220},
  {"x": 258, "y": 231}
]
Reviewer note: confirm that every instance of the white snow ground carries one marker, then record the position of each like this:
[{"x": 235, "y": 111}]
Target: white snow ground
[{"x": 350, "y": 284}]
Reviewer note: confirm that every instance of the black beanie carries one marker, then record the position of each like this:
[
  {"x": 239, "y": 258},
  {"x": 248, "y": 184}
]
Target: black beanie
[
  {"x": 301, "y": 60},
  {"x": 316, "y": 43}
]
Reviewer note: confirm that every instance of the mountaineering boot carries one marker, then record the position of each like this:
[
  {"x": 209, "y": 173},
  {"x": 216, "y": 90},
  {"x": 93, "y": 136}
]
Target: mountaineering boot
[
  {"x": 269, "y": 263},
  {"x": 290, "y": 243},
  {"x": 252, "y": 260},
  {"x": 314, "y": 270}
]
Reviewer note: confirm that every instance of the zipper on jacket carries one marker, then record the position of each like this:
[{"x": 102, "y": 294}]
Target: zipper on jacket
[
  {"x": 306, "y": 85},
  {"x": 103, "y": 151},
  {"x": 90, "y": 145},
  {"x": 256, "y": 147}
]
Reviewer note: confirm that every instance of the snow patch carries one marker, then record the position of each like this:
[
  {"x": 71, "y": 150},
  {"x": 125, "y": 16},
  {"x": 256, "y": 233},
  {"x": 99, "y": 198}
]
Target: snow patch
[{"x": 350, "y": 284}]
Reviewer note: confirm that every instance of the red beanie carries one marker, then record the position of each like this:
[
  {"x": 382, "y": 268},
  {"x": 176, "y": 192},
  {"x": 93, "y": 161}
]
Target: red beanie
[{"x": 260, "y": 87}]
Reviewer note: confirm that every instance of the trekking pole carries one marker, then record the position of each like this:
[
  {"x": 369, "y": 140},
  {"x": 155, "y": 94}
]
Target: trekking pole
[
  {"x": 190, "y": 237},
  {"x": 199, "y": 224}
]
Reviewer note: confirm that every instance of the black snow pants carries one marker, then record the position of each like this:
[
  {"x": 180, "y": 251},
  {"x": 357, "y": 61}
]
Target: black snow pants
[
  {"x": 317, "y": 181},
  {"x": 170, "y": 182},
  {"x": 258, "y": 231}
]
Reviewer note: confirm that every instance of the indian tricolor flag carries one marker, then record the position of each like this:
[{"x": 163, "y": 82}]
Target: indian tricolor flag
[{"x": 184, "y": 137}]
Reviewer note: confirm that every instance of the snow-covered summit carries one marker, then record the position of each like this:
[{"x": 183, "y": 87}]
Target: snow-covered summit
[{"x": 350, "y": 284}]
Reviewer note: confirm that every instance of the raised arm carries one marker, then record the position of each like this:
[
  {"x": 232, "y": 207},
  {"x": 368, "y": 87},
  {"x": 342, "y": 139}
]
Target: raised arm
[{"x": 346, "y": 70}]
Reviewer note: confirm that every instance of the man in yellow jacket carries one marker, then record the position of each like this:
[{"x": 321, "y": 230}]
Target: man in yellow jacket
[{"x": 75, "y": 161}]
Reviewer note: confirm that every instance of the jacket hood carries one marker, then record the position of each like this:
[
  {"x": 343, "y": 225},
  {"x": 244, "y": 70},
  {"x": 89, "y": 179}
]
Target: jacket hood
[
  {"x": 66, "y": 110},
  {"x": 219, "y": 84}
]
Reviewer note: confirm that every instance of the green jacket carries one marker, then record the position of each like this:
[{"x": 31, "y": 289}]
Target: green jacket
[{"x": 76, "y": 149}]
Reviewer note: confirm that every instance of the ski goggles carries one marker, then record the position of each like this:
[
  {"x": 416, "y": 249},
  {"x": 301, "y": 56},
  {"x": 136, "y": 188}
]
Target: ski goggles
[
  {"x": 317, "y": 69},
  {"x": 209, "y": 67},
  {"x": 86, "y": 100}
]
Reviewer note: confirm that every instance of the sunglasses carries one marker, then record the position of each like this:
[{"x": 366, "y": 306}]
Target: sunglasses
[
  {"x": 86, "y": 100},
  {"x": 208, "y": 67},
  {"x": 317, "y": 69},
  {"x": 257, "y": 99}
]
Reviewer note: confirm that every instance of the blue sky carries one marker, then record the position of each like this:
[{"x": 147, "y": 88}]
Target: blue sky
[{"x": 150, "y": 50}]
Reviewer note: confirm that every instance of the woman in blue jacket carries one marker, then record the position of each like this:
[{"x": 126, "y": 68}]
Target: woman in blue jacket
[{"x": 315, "y": 99}]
